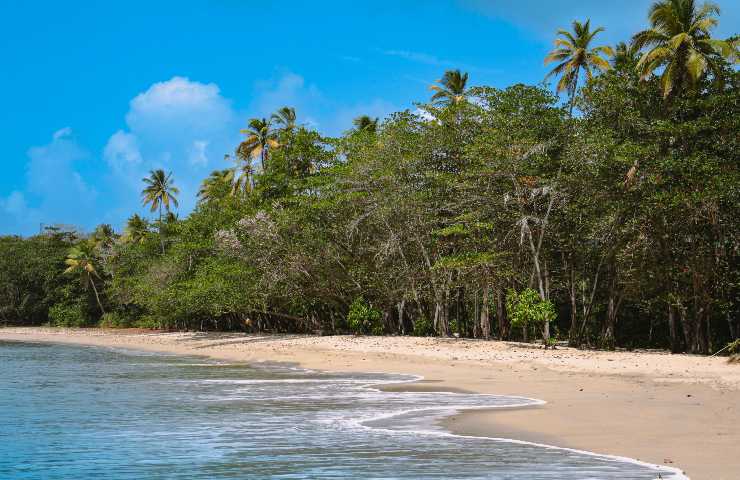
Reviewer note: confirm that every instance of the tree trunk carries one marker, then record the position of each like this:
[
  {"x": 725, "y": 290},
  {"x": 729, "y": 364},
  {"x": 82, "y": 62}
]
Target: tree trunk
[
  {"x": 97, "y": 297},
  {"x": 400, "y": 307},
  {"x": 503, "y": 322},
  {"x": 672, "y": 329},
  {"x": 485, "y": 323},
  {"x": 161, "y": 237},
  {"x": 573, "y": 332}
]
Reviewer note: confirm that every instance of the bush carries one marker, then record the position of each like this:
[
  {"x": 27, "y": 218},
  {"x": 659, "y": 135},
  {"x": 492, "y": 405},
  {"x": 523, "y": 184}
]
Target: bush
[
  {"x": 115, "y": 320},
  {"x": 149, "y": 322},
  {"x": 526, "y": 308},
  {"x": 423, "y": 327},
  {"x": 67, "y": 315},
  {"x": 363, "y": 318}
]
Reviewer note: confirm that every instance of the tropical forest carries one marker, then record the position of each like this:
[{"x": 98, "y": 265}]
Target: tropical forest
[{"x": 599, "y": 209}]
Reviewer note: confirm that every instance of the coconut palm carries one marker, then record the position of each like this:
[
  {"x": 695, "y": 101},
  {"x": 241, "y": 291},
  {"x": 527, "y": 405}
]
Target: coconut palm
[
  {"x": 364, "y": 123},
  {"x": 626, "y": 56},
  {"x": 452, "y": 88},
  {"x": 159, "y": 192},
  {"x": 80, "y": 259},
  {"x": 242, "y": 178},
  {"x": 103, "y": 236},
  {"x": 574, "y": 53},
  {"x": 218, "y": 183},
  {"x": 136, "y": 229},
  {"x": 285, "y": 117},
  {"x": 260, "y": 139},
  {"x": 679, "y": 41}
]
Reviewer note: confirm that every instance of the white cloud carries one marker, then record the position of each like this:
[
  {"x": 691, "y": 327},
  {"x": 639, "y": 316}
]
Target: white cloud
[
  {"x": 198, "y": 152},
  {"x": 179, "y": 125},
  {"x": 55, "y": 191},
  {"x": 122, "y": 151}
]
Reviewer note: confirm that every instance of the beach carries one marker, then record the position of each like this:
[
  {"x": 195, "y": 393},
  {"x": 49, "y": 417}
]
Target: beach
[{"x": 676, "y": 410}]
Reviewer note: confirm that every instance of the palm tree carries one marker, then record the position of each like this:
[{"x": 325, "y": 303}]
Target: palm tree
[
  {"x": 216, "y": 185},
  {"x": 103, "y": 236},
  {"x": 285, "y": 117},
  {"x": 242, "y": 178},
  {"x": 574, "y": 53},
  {"x": 136, "y": 229},
  {"x": 364, "y": 123},
  {"x": 626, "y": 56},
  {"x": 679, "y": 40},
  {"x": 260, "y": 139},
  {"x": 159, "y": 192},
  {"x": 80, "y": 259},
  {"x": 451, "y": 89}
]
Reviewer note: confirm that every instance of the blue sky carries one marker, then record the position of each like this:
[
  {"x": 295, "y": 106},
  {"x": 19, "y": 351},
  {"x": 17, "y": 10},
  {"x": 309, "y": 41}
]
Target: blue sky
[{"x": 95, "y": 93}]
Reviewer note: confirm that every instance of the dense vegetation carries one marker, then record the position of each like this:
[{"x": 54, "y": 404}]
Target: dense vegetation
[{"x": 611, "y": 220}]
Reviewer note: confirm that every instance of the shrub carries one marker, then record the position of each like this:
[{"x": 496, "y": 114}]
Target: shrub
[
  {"x": 363, "y": 318},
  {"x": 148, "y": 321},
  {"x": 67, "y": 315},
  {"x": 423, "y": 327},
  {"x": 114, "y": 320},
  {"x": 526, "y": 308}
]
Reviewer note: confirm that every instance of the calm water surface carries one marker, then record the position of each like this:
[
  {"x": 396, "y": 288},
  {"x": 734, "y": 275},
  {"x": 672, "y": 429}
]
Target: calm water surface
[{"x": 81, "y": 412}]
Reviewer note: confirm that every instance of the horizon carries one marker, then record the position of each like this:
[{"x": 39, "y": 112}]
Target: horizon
[{"x": 101, "y": 95}]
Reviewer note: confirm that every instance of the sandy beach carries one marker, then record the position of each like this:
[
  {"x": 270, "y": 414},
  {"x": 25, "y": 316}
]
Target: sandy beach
[{"x": 677, "y": 410}]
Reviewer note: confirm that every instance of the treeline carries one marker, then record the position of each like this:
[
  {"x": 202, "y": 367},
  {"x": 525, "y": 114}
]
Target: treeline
[{"x": 609, "y": 221}]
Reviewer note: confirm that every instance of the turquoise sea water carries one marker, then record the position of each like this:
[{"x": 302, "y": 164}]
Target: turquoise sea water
[{"x": 81, "y": 412}]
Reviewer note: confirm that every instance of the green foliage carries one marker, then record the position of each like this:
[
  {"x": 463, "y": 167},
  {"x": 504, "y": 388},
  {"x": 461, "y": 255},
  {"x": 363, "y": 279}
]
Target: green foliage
[
  {"x": 423, "y": 327},
  {"x": 363, "y": 318},
  {"x": 625, "y": 215},
  {"x": 526, "y": 308},
  {"x": 148, "y": 322},
  {"x": 67, "y": 315},
  {"x": 115, "y": 320}
]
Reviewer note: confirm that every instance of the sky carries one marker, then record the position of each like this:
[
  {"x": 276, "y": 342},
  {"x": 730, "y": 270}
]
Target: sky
[{"x": 95, "y": 93}]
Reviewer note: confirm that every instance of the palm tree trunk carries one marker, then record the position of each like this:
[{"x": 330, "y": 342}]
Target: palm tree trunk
[
  {"x": 573, "y": 90},
  {"x": 95, "y": 290},
  {"x": 161, "y": 238}
]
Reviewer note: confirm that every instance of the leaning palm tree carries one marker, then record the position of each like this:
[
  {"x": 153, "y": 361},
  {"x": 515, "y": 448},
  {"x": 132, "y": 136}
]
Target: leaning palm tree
[
  {"x": 80, "y": 260},
  {"x": 679, "y": 41},
  {"x": 136, "y": 229},
  {"x": 216, "y": 185},
  {"x": 364, "y": 123},
  {"x": 574, "y": 53},
  {"x": 260, "y": 139},
  {"x": 159, "y": 192},
  {"x": 452, "y": 88},
  {"x": 285, "y": 118}
]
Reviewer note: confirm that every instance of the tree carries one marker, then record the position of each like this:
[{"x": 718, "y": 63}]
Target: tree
[
  {"x": 364, "y": 123},
  {"x": 679, "y": 41},
  {"x": 80, "y": 260},
  {"x": 526, "y": 308},
  {"x": 136, "y": 229},
  {"x": 285, "y": 117},
  {"x": 452, "y": 88},
  {"x": 574, "y": 53},
  {"x": 218, "y": 184},
  {"x": 260, "y": 139},
  {"x": 160, "y": 191},
  {"x": 626, "y": 56}
]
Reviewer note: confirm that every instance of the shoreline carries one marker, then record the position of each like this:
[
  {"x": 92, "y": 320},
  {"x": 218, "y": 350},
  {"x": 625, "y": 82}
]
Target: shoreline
[{"x": 672, "y": 410}]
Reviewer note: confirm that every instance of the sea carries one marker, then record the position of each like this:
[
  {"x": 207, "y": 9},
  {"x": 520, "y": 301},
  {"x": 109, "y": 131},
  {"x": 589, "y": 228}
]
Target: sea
[{"x": 74, "y": 412}]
